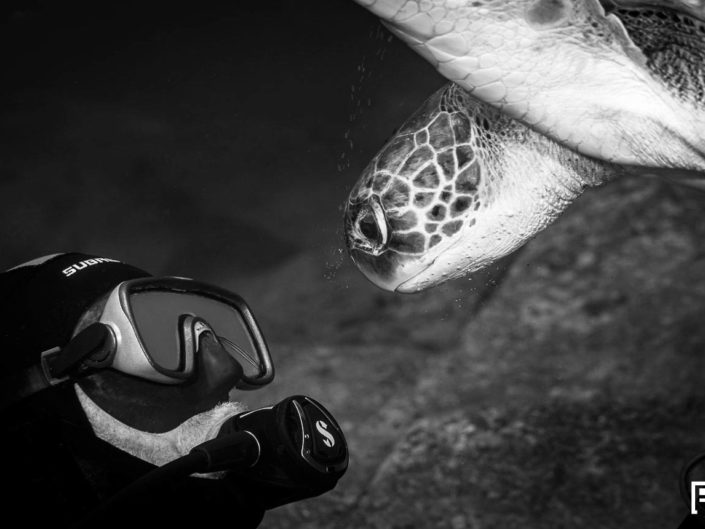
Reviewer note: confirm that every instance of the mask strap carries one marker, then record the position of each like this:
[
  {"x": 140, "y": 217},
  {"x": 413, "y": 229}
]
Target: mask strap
[{"x": 92, "y": 348}]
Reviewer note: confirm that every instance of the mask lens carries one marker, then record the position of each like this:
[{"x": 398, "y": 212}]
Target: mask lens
[{"x": 157, "y": 314}]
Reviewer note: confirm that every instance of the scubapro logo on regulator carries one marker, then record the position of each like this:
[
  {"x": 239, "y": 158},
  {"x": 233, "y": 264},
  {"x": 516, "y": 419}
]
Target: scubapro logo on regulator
[{"x": 322, "y": 428}]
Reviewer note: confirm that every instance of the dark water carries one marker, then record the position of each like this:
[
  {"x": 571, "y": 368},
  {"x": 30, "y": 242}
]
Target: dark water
[
  {"x": 204, "y": 142},
  {"x": 220, "y": 144}
]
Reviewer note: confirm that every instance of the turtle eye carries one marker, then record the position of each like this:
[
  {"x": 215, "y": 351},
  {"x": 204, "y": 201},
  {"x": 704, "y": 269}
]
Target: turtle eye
[
  {"x": 369, "y": 228},
  {"x": 369, "y": 232}
]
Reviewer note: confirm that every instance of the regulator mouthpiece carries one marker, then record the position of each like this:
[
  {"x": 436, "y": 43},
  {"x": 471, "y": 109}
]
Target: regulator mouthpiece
[{"x": 303, "y": 452}]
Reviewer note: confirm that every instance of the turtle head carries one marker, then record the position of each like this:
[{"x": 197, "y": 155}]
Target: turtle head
[{"x": 456, "y": 188}]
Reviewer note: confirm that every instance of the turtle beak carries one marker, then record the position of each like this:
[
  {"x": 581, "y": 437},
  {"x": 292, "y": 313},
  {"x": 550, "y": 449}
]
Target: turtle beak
[
  {"x": 368, "y": 236},
  {"x": 389, "y": 270}
]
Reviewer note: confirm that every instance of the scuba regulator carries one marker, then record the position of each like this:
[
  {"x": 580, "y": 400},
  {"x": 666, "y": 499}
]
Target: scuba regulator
[{"x": 279, "y": 454}]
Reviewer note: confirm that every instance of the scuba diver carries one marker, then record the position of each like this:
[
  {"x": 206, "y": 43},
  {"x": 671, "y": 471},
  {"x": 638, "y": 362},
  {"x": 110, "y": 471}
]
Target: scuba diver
[{"x": 118, "y": 403}]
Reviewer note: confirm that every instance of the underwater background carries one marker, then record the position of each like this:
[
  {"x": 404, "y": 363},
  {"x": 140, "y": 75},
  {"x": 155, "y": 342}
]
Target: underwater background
[{"x": 561, "y": 388}]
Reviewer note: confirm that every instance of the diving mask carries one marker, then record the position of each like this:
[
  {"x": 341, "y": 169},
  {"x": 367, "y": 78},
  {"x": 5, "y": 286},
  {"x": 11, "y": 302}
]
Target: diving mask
[{"x": 152, "y": 328}]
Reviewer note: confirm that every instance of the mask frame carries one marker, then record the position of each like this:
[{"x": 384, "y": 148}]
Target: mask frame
[{"x": 116, "y": 342}]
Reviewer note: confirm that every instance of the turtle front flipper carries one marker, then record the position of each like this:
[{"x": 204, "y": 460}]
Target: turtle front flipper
[{"x": 570, "y": 70}]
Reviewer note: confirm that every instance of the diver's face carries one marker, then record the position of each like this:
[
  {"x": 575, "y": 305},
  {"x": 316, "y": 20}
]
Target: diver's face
[
  {"x": 157, "y": 408},
  {"x": 137, "y": 414}
]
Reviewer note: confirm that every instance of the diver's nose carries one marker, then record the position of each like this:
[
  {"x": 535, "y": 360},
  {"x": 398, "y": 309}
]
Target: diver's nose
[
  {"x": 366, "y": 227},
  {"x": 216, "y": 366}
]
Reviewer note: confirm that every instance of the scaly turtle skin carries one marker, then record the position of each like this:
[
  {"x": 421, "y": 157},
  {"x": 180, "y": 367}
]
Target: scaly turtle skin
[{"x": 548, "y": 97}]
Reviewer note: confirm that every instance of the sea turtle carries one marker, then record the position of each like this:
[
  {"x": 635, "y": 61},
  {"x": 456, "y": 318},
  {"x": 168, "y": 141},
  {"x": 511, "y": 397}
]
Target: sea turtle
[{"x": 547, "y": 97}]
